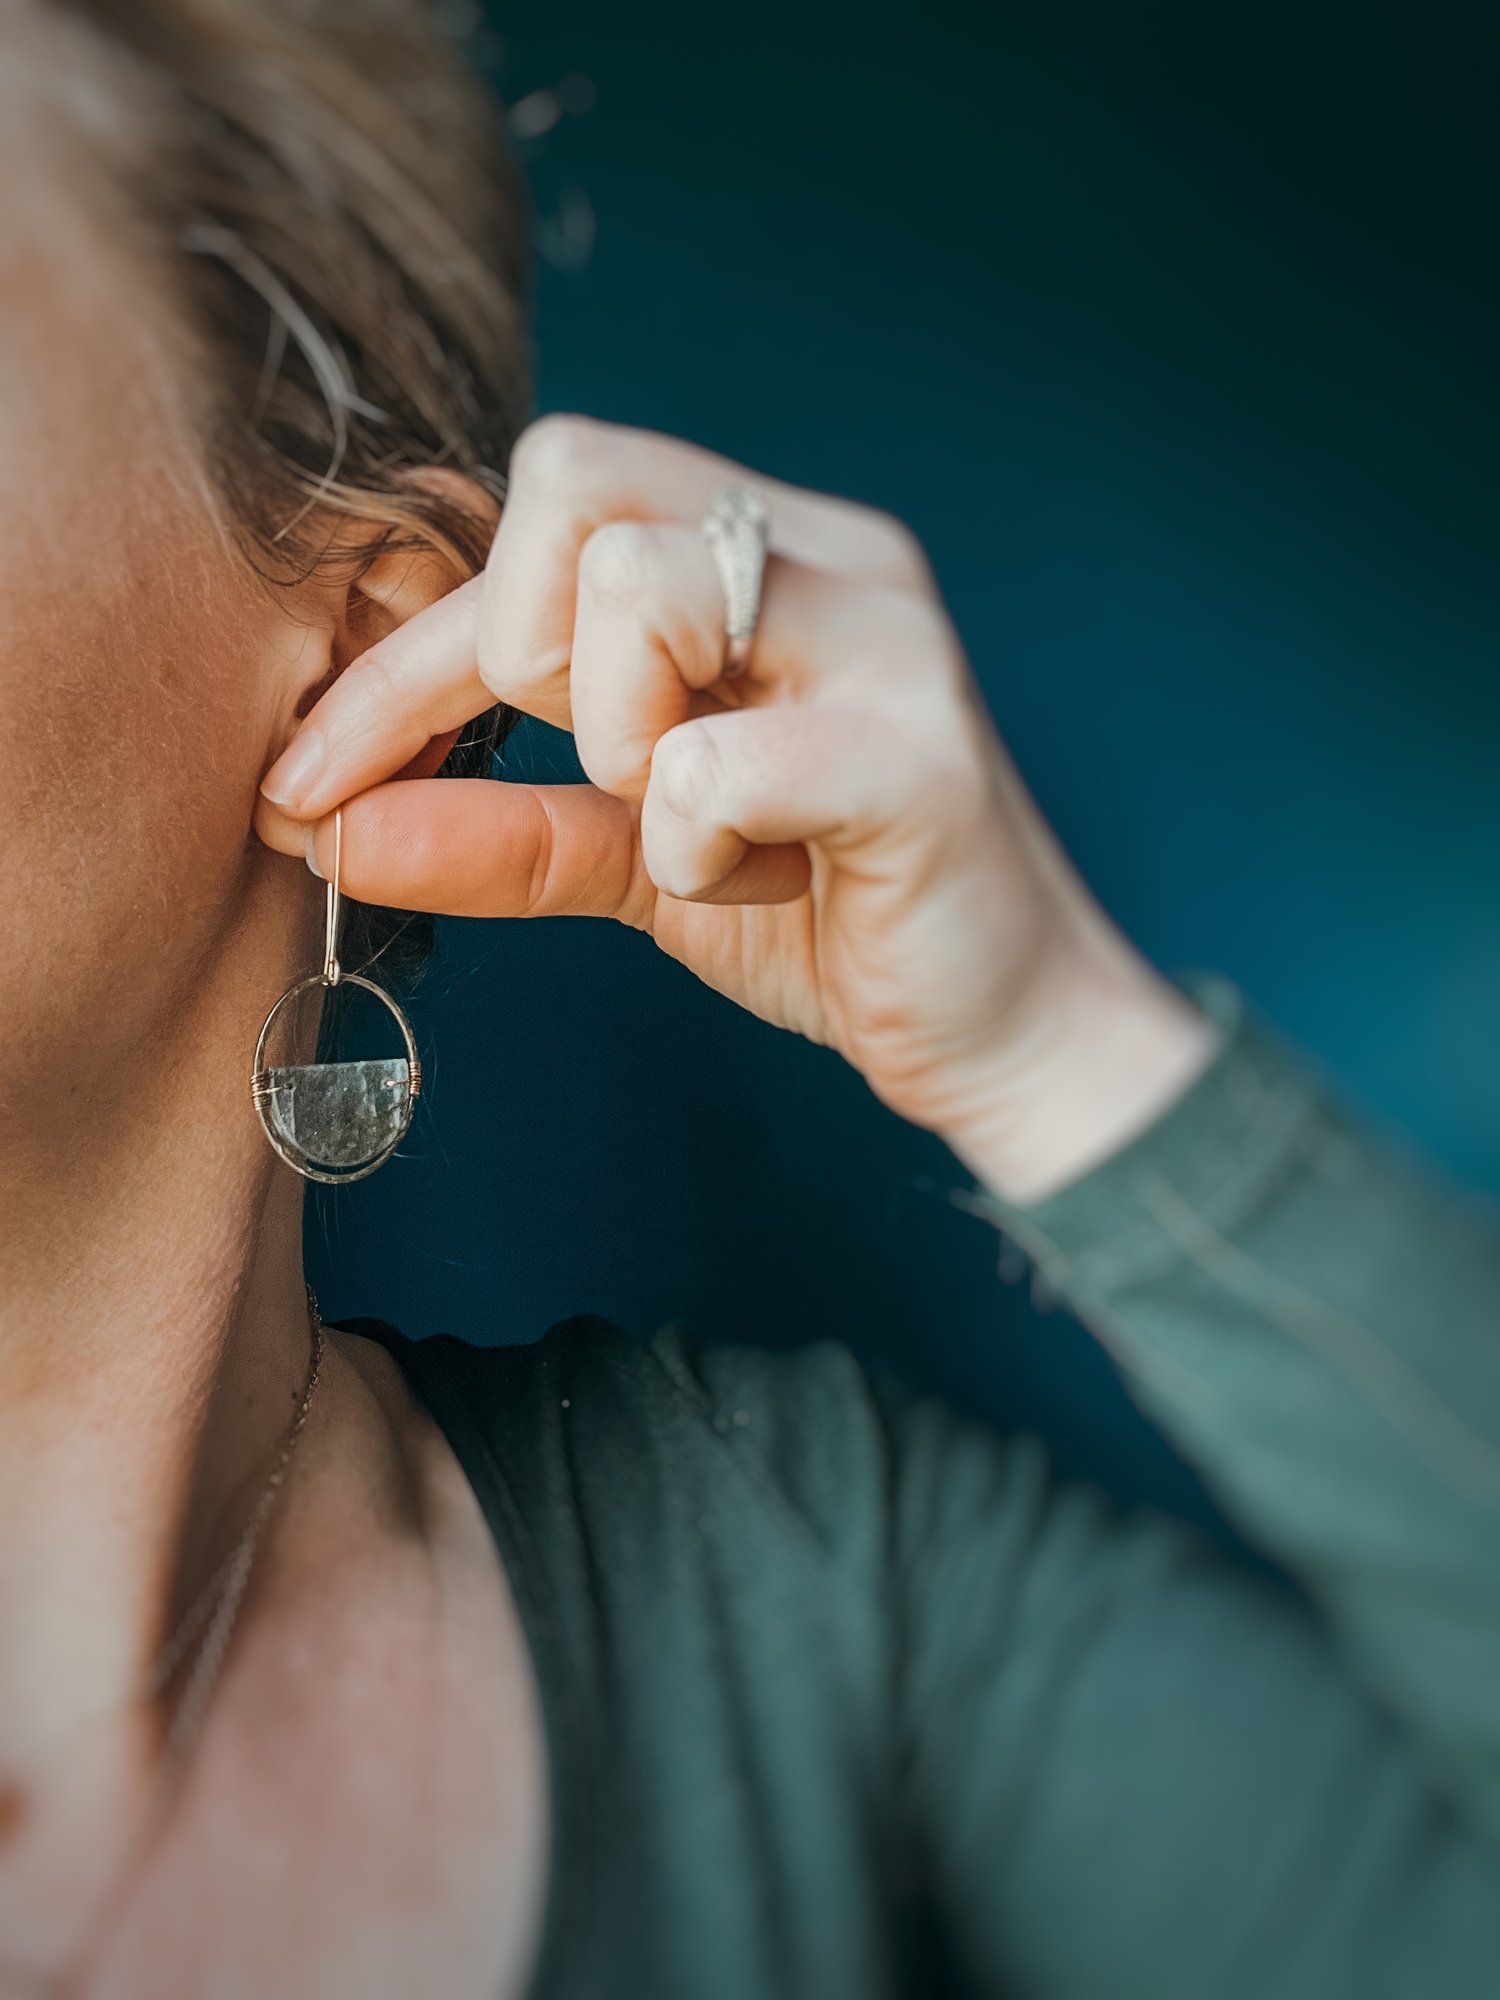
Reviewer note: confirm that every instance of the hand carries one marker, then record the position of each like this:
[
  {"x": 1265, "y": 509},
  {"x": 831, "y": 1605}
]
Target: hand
[{"x": 836, "y": 839}]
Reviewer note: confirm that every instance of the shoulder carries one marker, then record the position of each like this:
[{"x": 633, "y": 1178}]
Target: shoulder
[
  {"x": 806, "y": 1441},
  {"x": 607, "y": 1387},
  {"x": 719, "y": 1388}
]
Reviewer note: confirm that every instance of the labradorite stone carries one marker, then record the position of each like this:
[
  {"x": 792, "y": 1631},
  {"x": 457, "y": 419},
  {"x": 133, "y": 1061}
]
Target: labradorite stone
[{"x": 340, "y": 1114}]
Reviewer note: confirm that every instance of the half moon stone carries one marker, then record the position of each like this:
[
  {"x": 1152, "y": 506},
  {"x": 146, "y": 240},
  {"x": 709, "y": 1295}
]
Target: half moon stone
[{"x": 341, "y": 1114}]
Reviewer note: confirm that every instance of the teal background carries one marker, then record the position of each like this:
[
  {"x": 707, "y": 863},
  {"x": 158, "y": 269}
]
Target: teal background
[{"x": 1172, "y": 332}]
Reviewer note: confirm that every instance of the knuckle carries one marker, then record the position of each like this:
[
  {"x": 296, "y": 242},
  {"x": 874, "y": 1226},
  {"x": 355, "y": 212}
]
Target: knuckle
[
  {"x": 683, "y": 870},
  {"x": 933, "y": 635},
  {"x": 668, "y": 875},
  {"x": 376, "y": 676},
  {"x": 552, "y": 451},
  {"x": 688, "y": 772},
  {"x": 895, "y": 550},
  {"x": 948, "y": 771},
  {"x": 536, "y": 895},
  {"x": 489, "y": 660},
  {"x": 904, "y": 631},
  {"x": 610, "y": 765},
  {"x": 617, "y": 565},
  {"x": 511, "y": 656}
]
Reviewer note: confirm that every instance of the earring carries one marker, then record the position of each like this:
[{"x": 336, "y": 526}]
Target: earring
[{"x": 336, "y": 1121}]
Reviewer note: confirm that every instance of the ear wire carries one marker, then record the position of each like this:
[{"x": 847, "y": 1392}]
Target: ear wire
[{"x": 333, "y": 972}]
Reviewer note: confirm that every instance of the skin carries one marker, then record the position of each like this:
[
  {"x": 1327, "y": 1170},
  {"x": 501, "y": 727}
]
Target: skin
[
  {"x": 836, "y": 841},
  {"x": 153, "y": 1331}
]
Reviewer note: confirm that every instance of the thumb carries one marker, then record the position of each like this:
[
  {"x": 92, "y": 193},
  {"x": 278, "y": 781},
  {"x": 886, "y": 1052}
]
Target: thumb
[{"x": 472, "y": 847}]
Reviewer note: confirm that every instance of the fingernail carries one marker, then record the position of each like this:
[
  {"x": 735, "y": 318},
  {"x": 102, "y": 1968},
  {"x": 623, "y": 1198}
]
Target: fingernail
[
  {"x": 310, "y": 849},
  {"x": 291, "y": 777}
]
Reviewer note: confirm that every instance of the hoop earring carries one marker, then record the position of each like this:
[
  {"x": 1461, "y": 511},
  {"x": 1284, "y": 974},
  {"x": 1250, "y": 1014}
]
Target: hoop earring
[{"x": 336, "y": 1121}]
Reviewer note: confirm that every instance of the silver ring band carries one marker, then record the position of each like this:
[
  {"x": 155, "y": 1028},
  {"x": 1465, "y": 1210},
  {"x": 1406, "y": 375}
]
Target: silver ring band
[{"x": 737, "y": 528}]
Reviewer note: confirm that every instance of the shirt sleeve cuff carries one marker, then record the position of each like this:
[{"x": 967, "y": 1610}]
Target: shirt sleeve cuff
[{"x": 1241, "y": 1127}]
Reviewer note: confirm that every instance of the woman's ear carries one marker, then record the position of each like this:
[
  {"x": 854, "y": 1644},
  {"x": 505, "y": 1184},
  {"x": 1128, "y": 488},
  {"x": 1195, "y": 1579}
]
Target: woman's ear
[
  {"x": 381, "y": 594},
  {"x": 371, "y": 599},
  {"x": 387, "y": 593},
  {"x": 410, "y": 575}
]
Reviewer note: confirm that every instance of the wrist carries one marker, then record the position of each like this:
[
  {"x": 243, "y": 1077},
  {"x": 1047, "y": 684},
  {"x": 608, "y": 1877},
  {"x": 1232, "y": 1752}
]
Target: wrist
[{"x": 1107, "y": 1046}]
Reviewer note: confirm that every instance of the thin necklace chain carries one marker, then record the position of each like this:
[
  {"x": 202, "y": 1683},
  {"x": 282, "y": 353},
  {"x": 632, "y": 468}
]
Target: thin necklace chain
[
  {"x": 201, "y": 1635},
  {"x": 216, "y": 1608}
]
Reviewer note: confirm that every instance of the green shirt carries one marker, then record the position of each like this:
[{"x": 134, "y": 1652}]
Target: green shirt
[{"x": 845, "y": 1698}]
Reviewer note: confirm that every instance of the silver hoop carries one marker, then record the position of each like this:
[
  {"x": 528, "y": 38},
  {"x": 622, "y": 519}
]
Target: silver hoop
[
  {"x": 400, "y": 1076},
  {"x": 737, "y": 528},
  {"x": 355, "y": 1114}
]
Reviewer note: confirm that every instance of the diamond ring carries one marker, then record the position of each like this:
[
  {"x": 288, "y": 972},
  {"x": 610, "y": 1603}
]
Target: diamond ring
[{"x": 737, "y": 527}]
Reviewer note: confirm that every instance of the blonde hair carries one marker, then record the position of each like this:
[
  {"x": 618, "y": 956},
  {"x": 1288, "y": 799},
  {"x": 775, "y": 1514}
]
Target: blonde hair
[
  {"x": 326, "y": 182},
  {"x": 348, "y": 235}
]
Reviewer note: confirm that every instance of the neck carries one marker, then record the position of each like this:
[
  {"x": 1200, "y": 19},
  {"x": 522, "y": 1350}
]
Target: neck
[{"x": 153, "y": 1342}]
